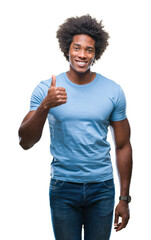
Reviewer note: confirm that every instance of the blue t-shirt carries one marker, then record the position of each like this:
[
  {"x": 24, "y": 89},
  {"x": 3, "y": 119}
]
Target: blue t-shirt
[{"x": 78, "y": 129}]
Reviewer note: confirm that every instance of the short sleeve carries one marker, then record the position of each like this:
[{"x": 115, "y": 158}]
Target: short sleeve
[
  {"x": 38, "y": 96},
  {"x": 119, "y": 111}
]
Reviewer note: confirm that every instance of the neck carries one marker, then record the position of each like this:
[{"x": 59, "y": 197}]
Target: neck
[{"x": 80, "y": 78}]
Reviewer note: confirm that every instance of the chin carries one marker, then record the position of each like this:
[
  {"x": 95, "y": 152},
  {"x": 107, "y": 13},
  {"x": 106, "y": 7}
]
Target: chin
[{"x": 81, "y": 70}]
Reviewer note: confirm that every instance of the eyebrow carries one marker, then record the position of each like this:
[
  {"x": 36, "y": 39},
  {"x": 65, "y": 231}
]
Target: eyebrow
[{"x": 80, "y": 45}]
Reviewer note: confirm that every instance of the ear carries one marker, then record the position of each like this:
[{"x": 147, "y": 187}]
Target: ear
[{"x": 93, "y": 62}]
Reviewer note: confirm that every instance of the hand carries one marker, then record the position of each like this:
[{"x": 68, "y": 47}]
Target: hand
[
  {"x": 56, "y": 95},
  {"x": 121, "y": 210}
]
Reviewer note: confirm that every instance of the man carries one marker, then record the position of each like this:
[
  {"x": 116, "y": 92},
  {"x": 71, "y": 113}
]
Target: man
[{"x": 80, "y": 106}]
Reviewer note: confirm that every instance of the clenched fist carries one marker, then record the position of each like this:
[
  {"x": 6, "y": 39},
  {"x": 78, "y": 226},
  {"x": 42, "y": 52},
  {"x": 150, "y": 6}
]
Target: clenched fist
[{"x": 56, "y": 95}]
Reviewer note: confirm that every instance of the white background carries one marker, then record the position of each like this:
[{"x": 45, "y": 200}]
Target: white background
[{"x": 29, "y": 53}]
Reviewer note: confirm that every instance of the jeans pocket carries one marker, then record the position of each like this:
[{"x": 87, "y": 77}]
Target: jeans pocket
[
  {"x": 109, "y": 184},
  {"x": 55, "y": 184}
]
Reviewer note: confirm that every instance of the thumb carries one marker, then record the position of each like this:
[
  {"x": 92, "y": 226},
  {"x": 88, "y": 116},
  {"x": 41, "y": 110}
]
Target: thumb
[
  {"x": 116, "y": 220},
  {"x": 53, "y": 81}
]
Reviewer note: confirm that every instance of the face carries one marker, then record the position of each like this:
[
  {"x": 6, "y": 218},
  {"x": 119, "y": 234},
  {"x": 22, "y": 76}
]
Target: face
[{"x": 82, "y": 53}]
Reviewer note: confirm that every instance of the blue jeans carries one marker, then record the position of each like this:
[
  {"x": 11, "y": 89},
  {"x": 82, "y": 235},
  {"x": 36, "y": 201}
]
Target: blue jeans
[{"x": 75, "y": 204}]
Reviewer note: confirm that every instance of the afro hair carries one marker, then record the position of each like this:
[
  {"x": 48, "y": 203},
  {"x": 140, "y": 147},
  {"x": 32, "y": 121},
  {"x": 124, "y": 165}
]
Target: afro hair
[{"x": 82, "y": 25}]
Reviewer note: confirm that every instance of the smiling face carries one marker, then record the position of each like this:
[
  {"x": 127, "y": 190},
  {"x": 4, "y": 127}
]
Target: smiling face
[{"x": 81, "y": 53}]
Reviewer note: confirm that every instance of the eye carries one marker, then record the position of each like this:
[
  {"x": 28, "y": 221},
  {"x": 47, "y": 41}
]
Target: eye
[
  {"x": 76, "y": 48},
  {"x": 89, "y": 50}
]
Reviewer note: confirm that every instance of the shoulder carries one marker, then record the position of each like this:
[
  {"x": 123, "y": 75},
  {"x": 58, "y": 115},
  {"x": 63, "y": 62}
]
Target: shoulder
[
  {"x": 110, "y": 87},
  {"x": 108, "y": 82}
]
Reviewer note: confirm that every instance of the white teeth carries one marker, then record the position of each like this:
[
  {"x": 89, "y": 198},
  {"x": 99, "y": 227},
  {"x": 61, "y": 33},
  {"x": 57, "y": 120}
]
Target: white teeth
[{"x": 81, "y": 63}]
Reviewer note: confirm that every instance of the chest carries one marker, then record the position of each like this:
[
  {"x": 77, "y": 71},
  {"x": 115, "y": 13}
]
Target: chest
[{"x": 84, "y": 104}]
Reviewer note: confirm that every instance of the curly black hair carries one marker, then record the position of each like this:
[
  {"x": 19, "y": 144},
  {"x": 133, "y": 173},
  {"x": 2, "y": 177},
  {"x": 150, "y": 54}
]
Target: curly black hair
[{"x": 82, "y": 25}]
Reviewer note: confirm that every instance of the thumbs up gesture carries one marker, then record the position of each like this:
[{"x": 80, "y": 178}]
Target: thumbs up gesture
[
  {"x": 53, "y": 81},
  {"x": 56, "y": 95}
]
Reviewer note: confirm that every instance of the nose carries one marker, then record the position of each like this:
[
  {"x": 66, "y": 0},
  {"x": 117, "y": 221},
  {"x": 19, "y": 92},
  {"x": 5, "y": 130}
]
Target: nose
[{"x": 82, "y": 53}]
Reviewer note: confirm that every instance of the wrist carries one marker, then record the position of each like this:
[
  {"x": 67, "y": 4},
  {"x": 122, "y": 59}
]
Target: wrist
[
  {"x": 45, "y": 105},
  {"x": 126, "y": 199}
]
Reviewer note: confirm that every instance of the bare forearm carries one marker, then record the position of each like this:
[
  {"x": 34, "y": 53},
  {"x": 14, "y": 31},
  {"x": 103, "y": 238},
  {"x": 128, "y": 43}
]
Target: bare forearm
[
  {"x": 31, "y": 129},
  {"x": 121, "y": 133},
  {"x": 124, "y": 165}
]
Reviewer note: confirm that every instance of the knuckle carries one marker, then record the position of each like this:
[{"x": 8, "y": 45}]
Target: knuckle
[
  {"x": 49, "y": 91},
  {"x": 58, "y": 97},
  {"x": 59, "y": 100},
  {"x": 127, "y": 216},
  {"x": 56, "y": 91}
]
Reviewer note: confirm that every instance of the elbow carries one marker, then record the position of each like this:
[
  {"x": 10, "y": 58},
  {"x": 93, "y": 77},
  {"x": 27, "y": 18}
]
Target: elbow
[
  {"x": 26, "y": 141},
  {"x": 123, "y": 146},
  {"x": 24, "y": 145},
  {"x": 23, "y": 141}
]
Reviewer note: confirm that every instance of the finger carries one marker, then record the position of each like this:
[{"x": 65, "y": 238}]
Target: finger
[
  {"x": 116, "y": 220},
  {"x": 122, "y": 225},
  {"x": 117, "y": 227},
  {"x": 61, "y": 92},
  {"x": 61, "y": 89},
  {"x": 53, "y": 81},
  {"x": 61, "y": 97},
  {"x": 60, "y": 102}
]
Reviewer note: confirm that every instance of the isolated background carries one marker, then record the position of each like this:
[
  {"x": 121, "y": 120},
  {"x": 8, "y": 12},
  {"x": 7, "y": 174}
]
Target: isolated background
[{"x": 29, "y": 53}]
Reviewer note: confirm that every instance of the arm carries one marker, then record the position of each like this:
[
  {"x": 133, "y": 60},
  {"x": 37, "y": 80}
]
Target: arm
[
  {"x": 31, "y": 127},
  {"x": 121, "y": 133}
]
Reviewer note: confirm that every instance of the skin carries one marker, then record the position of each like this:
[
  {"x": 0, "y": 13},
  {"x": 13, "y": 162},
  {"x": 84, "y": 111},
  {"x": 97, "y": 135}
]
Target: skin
[
  {"x": 81, "y": 56},
  {"x": 82, "y": 50},
  {"x": 121, "y": 134},
  {"x": 32, "y": 125}
]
